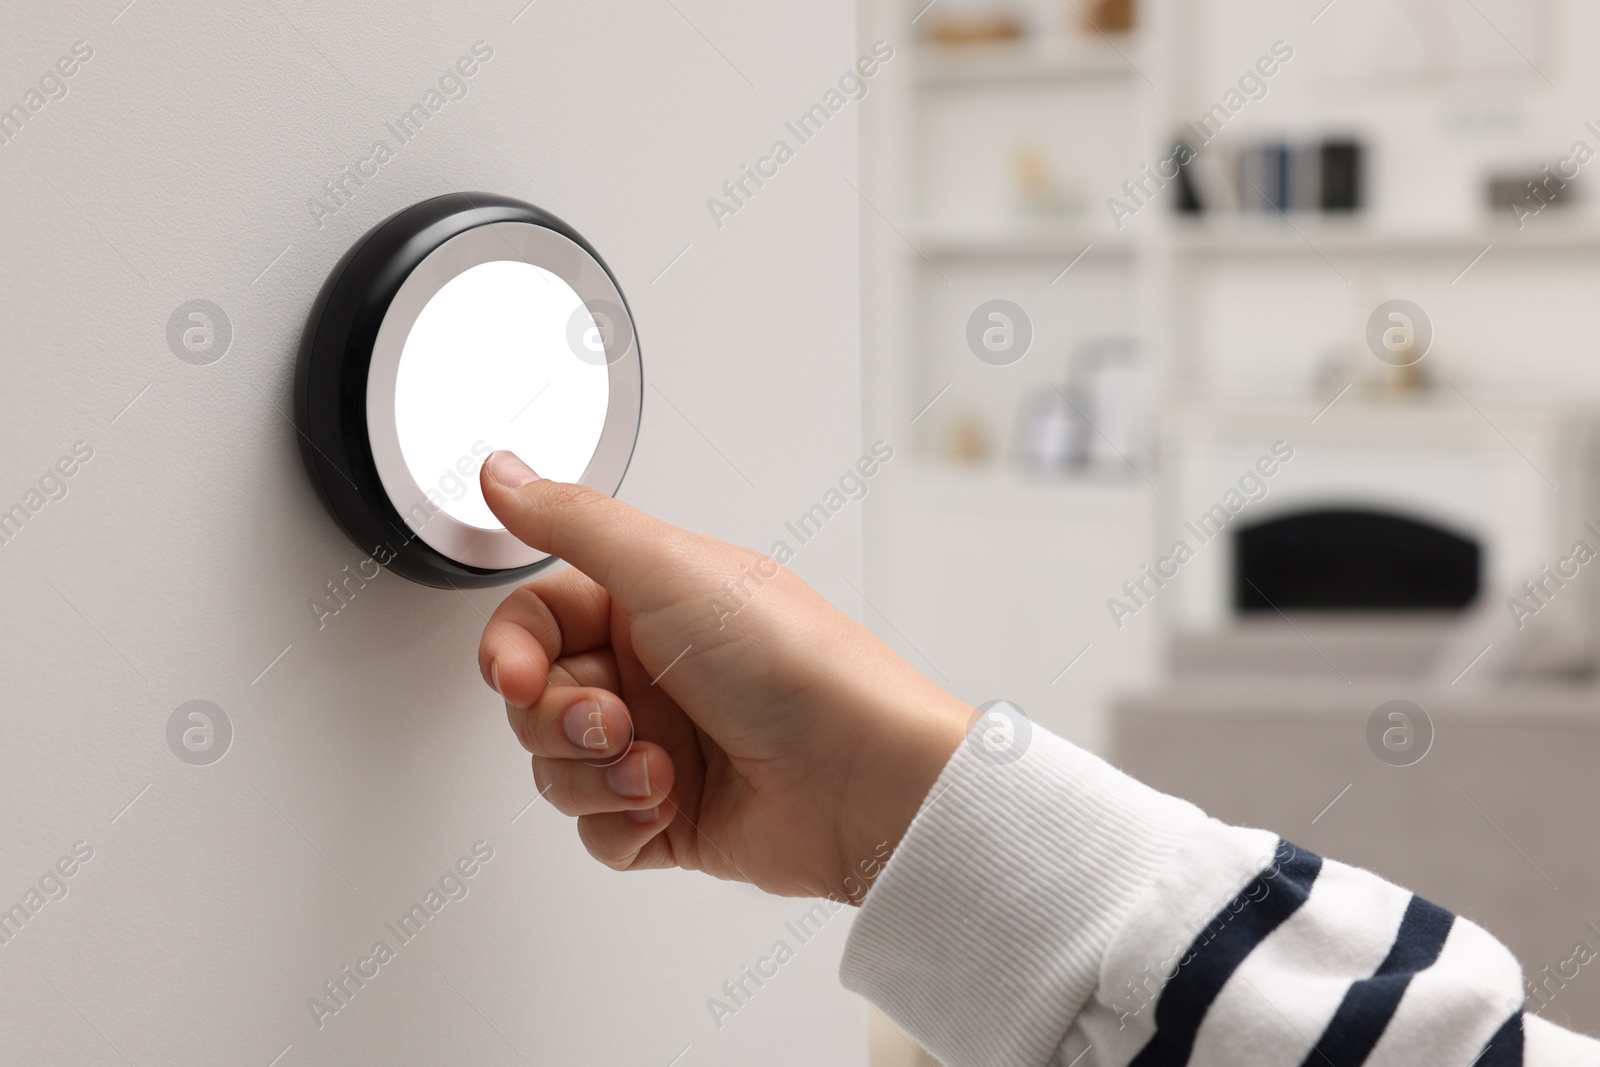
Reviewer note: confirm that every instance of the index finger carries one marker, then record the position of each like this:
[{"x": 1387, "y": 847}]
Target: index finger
[{"x": 617, "y": 545}]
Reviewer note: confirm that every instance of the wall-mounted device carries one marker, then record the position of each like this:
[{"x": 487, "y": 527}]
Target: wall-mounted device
[{"x": 461, "y": 325}]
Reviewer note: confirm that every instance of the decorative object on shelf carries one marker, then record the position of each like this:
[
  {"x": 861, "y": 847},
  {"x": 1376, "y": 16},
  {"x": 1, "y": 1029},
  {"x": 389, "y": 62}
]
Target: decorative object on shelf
[
  {"x": 1267, "y": 178},
  {"x": 1272, "y": 177},
  {"x": 1409, "y": 380},
  {"x": 967, "y": 439},
  {"x": 1528, "y": 193},
  {"x": 1094, "y": 421},
  {"x": 1209, "y": 179},
  {"x": 1041, "y": 196},
  {"x": 1107, "y": 371},
  {"x": 1400, "y": 334},
  {"x": 1397, "y": 381},
  {"x": 1052, "y": 434},
  {"x": 1188, "y": 192},
  {"x": 955, "y": 31},
  {"x": 1389, "y": 357},
  {"x": 1107, "y": 16}
]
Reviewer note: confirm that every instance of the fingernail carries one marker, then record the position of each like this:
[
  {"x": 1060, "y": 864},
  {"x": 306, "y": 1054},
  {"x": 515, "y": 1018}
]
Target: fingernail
[
  {"x": 630, "y": 778},
  {"x": 647, "y": 815},
  {"x": 494, "y": 676},
  {"x": 509, "y": 471},
  {"x": 585, "y": 725}
]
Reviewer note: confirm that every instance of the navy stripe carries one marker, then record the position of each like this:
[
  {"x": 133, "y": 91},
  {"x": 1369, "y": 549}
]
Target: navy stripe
[
  {"x": 1505, "y": 1047},
  {"x": 1260, "y": 908},
  {"x": 1369, "y": 1004}
]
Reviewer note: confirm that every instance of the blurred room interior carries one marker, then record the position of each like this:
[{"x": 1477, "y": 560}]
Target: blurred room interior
[{"x": 1306, "y": 288}]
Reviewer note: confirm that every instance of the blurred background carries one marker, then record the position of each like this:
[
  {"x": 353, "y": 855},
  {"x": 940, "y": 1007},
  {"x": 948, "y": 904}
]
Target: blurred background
[
  {"x": 1243, "y": 358},
  {"x": 1233, "y": 364}
]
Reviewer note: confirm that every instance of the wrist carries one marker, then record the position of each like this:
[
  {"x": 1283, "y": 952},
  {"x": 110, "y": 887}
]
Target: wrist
[{"x": 891, "y": 778}]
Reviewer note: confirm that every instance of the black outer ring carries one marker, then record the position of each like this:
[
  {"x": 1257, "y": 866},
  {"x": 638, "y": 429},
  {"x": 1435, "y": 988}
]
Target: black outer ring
[{"x": 330, "y": 388}]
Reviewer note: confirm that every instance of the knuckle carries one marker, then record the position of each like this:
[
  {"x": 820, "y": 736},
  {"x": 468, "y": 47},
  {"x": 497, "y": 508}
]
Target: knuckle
[
  {"x": 522, "y": 726},
  {"x": 531, "y": 609},
  {"x": 570, "y": 785},
  {"x": 567, "y": 495},
  {"x": 556, "y": 788},
  {"x": 545, "y": 737},
  {"x": 591, "y": 833},
  {"x": 562, "y": 800},
  {"x": 616, "y": 863}
]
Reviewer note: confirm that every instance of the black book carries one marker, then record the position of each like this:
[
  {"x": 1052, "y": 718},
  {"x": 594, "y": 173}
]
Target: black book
[
  {"x": 1188, "y": 196},
  {"x": 1341, "y": 176}
]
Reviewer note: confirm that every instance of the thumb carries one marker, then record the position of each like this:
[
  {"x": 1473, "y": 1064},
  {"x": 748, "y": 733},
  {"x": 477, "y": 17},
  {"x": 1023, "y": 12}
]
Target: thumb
[{"x": 611, "y": 542}]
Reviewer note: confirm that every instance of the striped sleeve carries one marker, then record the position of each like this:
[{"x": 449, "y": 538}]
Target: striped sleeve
[{"x": 1052, "y": 912}]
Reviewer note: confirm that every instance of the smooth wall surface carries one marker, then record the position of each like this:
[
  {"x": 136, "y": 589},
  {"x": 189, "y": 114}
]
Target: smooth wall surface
[{"x": 191, "y": 156}]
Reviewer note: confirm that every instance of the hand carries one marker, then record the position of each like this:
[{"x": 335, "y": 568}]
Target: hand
[{"x": 696, "y": 705}]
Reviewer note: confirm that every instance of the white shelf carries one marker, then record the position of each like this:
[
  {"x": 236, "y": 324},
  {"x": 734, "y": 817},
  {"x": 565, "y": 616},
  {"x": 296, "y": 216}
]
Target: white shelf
[
  {"x": 1438, "y": 419},
  {"x": 1026, "y": 61},
  {"x": 1065, "y": 242},
  {"x": 1298, "y": 236},
  {"x": 1311, "y": 236},
  {"x": 997, "y": 483}
]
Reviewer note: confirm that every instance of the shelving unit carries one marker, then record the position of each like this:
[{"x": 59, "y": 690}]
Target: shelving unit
[
  {"x": 940, "y": 141},
  {"x": 1048, "y": 61},
  {"x": 1251, "y": 307},
  {"x": 1226, "y": 303},
  {"x": 938, "y": 144},
  {"x": 1248, "y": 324}
]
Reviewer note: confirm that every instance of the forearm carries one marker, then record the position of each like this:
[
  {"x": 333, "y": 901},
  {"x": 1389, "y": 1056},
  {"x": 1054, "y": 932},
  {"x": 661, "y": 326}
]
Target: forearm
[{"x": 1054, "y": 908}]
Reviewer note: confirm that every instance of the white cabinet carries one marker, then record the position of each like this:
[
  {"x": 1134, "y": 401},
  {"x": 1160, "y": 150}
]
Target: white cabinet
[{"x": 995, "y": 586}]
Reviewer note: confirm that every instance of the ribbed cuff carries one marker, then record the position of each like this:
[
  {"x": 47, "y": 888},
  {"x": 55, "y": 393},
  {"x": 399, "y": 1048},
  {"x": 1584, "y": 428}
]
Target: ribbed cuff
[{"x": 984, "y": 934}]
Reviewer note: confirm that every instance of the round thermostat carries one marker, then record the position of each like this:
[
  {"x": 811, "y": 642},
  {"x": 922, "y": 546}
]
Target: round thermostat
[{"x": 462, "y": 325}]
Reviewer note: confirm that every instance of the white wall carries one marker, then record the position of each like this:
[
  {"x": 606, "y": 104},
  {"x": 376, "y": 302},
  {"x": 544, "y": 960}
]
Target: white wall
[{"x": 183, "y": 558}]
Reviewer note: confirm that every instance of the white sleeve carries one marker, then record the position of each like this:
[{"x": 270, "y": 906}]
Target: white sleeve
[{"x": 1052, "y": 911}]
